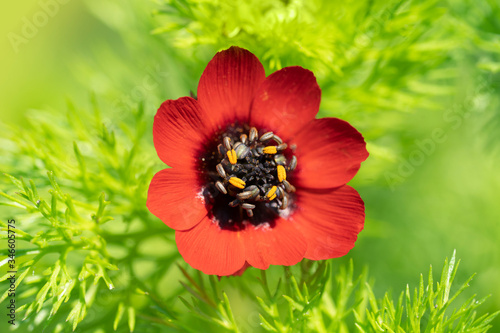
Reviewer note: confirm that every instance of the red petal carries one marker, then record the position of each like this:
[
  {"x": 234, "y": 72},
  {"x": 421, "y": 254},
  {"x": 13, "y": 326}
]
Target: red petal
[
  {"x": 330, "y": 221},
  {"x": 210, "y": 249},
  {"x": 177, "y": 131},
  {"x": 174, "y": 197},
  {"x": 228, "y": 85},
  {"x": 241, "y": 270},
  {"x": 288, "y": 99},
  {"x": 281, "y": 245},
  {"x": 329, "y": 153}
]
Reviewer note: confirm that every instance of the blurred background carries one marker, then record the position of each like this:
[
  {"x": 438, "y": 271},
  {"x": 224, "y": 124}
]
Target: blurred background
[{"x": 419, "y": 79}]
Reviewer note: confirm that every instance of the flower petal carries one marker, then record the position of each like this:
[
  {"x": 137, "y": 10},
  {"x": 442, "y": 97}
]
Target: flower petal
[
  {"x": 228, "y": 85},
  {"x": 177, "y": 131},
  {"x": 330, "y": 221},
  {"x": 329, "y": 153},
  {"x": 210, "y": 249},
  {"x": 173, "y": 198},
  {"x": 281, "y": 244},
  {"x": 286, "y": 100}
]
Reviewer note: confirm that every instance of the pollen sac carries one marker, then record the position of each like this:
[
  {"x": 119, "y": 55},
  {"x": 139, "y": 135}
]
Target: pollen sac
[
  {"x": 252, "y": 171},
  {"x": 231, "y": 155},
  {"x": 281, "y": 173},
  {"x": 271, "y": 192},
  {"x": 270, "y": 150},
  {"x": 236, "y": 182}
]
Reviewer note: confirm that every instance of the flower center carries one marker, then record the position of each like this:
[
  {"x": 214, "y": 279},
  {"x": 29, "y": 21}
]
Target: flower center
[{"x": 250, "y": 177}]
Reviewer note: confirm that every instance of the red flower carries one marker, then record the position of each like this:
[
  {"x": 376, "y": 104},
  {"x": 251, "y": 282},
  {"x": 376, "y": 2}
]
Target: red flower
[{"x": 237, "y": 194}]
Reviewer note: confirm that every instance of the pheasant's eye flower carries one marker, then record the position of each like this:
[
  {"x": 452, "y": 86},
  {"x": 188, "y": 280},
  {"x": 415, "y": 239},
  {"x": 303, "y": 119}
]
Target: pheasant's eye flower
[{"x": 256, "y": 180}]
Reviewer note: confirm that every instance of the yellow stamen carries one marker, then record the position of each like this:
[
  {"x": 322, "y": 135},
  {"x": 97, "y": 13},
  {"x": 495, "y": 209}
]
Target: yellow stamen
[
  {"x": 272, "y": 193},
  {"x": 236, "y": 182},
  {"x": 281, "y": 173},
  {"x": 273, "y": 197},
  {"x": 231, "y": 155},
  {"x": 270, "y": 150}
]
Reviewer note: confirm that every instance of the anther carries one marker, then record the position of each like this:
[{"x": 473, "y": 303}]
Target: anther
[
  {"x": 293, "y": 163},
  {"x": 220, "y": 170},
  {"x": 271, "y": 193},
  {"x": 280, "y": 159},
  {"x": 221, "y": 150},
  {"x": 227, "y": 143},
  {"x": 234, "y": 203},
  {"x": 231, "y": 155},
  {"x": 281, "y": 173},
  {"x": 242, "y": 151},
  {"x": 266, "y": 136},
  {"x": 279, "y": 192},
  {"x": 288, "y": 187},
  {"x": 253, "y": 134},
  {"x": 284, "y": 202},
  {"x": 247, "y": 206},
  {"x": 249, "y": 193},
  {"x": 270, "y": 150},
  {"x": 236, "y": 182},
  {"x": 249, "y": 212},
  {"x": 272, "y": 197},
  {"x": 243, "y": 138},
  {"x": 277, "y": 139},
  {"x": 220, "y": 187},
  {"x": 282, "y": 147}
]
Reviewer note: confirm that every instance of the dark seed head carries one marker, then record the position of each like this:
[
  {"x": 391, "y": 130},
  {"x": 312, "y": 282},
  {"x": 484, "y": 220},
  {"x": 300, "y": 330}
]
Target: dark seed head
[
  {"x": 251, "y": 170},
  {"x": 266, "y": 136}
]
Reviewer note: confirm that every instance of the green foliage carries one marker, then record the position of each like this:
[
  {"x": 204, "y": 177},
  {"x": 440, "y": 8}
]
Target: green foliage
[
  {"x": 375, "y": 61},
  {"x": 84, "y": 263},
  {"x": 91, "y": 258}
]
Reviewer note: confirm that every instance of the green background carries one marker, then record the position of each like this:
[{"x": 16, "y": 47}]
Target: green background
[{"x": 422, "y": 86}]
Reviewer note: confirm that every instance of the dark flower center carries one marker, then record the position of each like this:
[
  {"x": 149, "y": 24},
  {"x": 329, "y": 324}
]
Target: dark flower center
[{"x": 247, "y": 177}]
